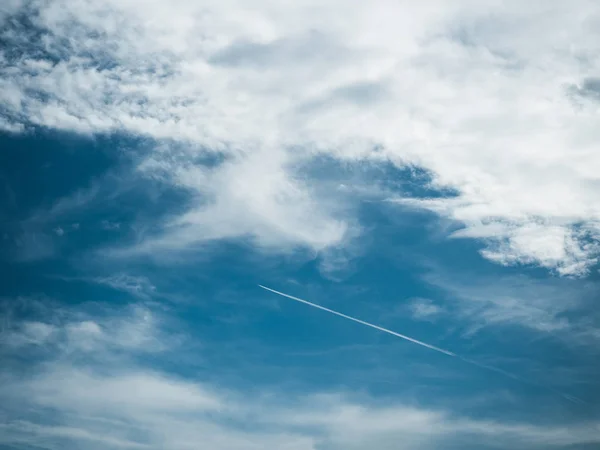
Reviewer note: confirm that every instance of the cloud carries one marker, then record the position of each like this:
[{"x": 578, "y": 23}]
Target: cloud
[
  {"x": 30, "y": 333},
  {"x": 10, "y": 127},
  {"x": 254, "y": 196},
  {"x": 477, "y": 93},
  {"x": 424, "y": 309},
  {"x": 93, "y": 330},
  {"x": 589, "y": 88},
  {"x": 137, "y": 286},
  {"x": 556, "y": 307},
  {"x": 105, "y": 397},
  {"x": 110, "y": 226}
]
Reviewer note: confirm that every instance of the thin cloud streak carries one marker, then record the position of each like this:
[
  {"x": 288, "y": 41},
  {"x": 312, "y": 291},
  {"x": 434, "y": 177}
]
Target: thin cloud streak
[{"x": 424, "y": 344}]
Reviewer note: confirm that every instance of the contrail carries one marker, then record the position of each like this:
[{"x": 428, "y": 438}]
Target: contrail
[
  {"x": 385, "y": 330},
  {"x": 424, "y": 344}
]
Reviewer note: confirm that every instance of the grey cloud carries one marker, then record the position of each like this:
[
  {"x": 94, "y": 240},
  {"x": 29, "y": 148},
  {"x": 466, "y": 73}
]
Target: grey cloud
[
  {"x": 589, "y": 88},
  {"x": 312, "y": 47}
]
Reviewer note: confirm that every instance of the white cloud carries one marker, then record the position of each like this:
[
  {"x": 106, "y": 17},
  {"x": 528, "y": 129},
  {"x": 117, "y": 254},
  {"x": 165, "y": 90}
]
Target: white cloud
[
  {"x": 30, "y": 333},
  {"x": 68, "y": 388},
  {"x": 74, "y": 332},
  {"x": 156, "y": 411},
  {"x": 254, "y": 196},
  {"x": 89, "y": 385},
  {"x": 548, "y": 306},
  {"x": 95, "y": 400},
  {"x": 137, "y": 286},
  {"x": 488, "y": 96},
  {"x": 424, "y": 309},
  {"x": 88, "y": 388},
  {"x": 10, "y": 127},
  {"x": 548, "y": 245}
]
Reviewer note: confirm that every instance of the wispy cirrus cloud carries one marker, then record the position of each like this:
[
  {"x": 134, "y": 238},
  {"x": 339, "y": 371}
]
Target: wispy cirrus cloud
[
  {"x": 480, "y": 94},
  {"x": 556, "y": 307},
  {"x": 137, "y": 286}
]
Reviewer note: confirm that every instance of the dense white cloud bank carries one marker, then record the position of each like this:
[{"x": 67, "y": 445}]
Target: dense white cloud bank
[{"x": 498, "y": 100}]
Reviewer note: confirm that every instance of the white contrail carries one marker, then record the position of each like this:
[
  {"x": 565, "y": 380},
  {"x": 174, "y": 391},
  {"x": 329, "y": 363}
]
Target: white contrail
[
  {"x": 424, "y": 344},
  {"x": 385, "y": 330}
]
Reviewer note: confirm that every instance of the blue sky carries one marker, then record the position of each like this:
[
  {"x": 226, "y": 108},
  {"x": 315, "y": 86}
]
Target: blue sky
[{"x": 429, "y": 169}]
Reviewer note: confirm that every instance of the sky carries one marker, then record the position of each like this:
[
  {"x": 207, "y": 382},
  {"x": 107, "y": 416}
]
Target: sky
[{"x": 427, "y": 172}]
